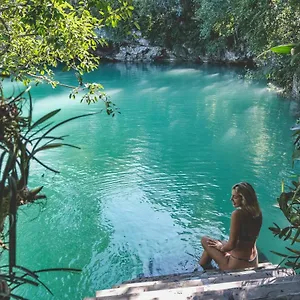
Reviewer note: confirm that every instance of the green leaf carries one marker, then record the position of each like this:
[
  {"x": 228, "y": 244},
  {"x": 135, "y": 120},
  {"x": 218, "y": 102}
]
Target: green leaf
[
  {"x": 295, "y": 183},
  {"x": 283, "y": 199},
  {"x": 275, "y": 230},
  {"x": 293, "y": 265},
  {"x": 45, "y": 166},
  {"x": 27, "y": 271},
  {"x": 52, "y": 138},
  {"x": 2, "y": 158},
  {"x": 45, "y": 118},
  {"x": 280, "y": 254},
  {"x": 9, "y": 165},
  {"x": 59, "y": 270},
  {"x": 288, "y": 234},
  {"x": 294, "y": 219},
  {"x": 296, "y": 236},
  {"x": 36, "y": 132},
  {"x": 137, "y": 25},
  {"x": 284, "y": 232},
  {"x": 18, "y": 279},
  {"x": 59, "y": 124},
  {"x": 52, "y": 146},
  {"x": 296, "y": 154},
  {"x": 283, "y": 49},
  {"x": 293, "y": 250}
]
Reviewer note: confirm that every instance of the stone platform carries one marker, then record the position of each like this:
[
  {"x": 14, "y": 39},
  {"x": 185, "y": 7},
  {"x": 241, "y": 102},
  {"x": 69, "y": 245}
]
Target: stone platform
[{"x": 268, "y": 281}]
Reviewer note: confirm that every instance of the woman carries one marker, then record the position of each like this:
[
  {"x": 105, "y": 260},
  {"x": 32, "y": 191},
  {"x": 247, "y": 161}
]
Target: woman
[{"x": 240, "y": 250}]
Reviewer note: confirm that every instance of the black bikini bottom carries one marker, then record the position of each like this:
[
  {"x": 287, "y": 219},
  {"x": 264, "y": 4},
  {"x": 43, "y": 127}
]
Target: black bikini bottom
[{"x": 244, "y": 259}]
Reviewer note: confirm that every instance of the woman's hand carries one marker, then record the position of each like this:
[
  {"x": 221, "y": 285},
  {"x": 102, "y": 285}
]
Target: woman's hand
[{"x": 215, "y": 244}]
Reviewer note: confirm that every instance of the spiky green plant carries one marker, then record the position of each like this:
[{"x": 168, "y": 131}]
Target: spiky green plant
[
  {"x": 289, "y": 204},
  {"x": 21, "y": 140}
]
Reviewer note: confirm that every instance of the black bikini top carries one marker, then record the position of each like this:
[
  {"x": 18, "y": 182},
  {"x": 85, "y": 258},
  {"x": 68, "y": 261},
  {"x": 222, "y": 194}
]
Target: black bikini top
[{"x": 249, "y": 225}]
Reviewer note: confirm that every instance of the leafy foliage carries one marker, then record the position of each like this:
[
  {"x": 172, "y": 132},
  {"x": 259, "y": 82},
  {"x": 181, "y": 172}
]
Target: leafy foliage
[
  {"x": 166, "y": 23},
  {"x": 37, "y": 36},
  {"x": 21, "y": 141},
  {"x": 258, "y": 24},
  {"x": 250, "y": 27},
  {"x": 212, "y": 27},
  {"x": 289, "y": 203}
]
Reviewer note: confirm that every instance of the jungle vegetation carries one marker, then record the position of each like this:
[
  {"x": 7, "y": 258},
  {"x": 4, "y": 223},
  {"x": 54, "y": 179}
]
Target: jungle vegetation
[
  {"x": 247, "y": 27},
  {"x": 38, "y": 35},
  {"x": 35, "y": 37}
]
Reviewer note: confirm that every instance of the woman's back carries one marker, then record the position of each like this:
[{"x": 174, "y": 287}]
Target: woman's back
[
  {"x": 248, "y": 233},
  {"x": 249, "y": 227}
]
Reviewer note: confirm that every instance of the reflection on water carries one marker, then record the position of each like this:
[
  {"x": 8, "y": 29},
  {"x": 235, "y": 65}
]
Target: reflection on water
[{"x": 147, "y": 184}]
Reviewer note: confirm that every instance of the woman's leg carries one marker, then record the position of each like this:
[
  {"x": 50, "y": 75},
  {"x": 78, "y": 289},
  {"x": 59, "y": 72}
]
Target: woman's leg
[
  {"x": 210, "y": 253},
  {"x": 205, "y": 261}
]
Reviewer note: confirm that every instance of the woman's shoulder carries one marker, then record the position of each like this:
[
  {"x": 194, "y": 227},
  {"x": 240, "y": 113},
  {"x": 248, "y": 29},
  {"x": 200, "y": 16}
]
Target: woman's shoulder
[
  {"x": 241, "y": 214},
  {"x": 237, "y": 213}
]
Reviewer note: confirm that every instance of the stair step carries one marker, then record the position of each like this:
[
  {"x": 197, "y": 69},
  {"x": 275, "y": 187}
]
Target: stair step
[
  {"x": 290, "y": 296},
  {"x": 250, "y": 290},
  {"x": 205, "y": 279},
  {"x": 237, "y": 289},
  {"x": 279, "y": 290},
  {"x": 196, "y": 274},
  {"x": 271, "y": 291},
  {"x": 199, "y": 275}
]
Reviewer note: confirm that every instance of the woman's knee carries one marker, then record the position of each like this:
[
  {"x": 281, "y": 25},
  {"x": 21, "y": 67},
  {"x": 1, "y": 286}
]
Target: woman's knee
[{"x": 204, "y": 240}]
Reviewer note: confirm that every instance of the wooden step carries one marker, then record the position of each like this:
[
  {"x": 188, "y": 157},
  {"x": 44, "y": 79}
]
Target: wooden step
[
  {"x": 238, "y": 290},
  {"x": 200, "y": 274},
  {"x": 290, "y": 296},
  {"x": 204, "y": 290},
  {"x": 272, "y": 291},
  {"x": 139, "y": 287},
  {"x": 279, "y": 290},
  {"x": 196, "y": 274}
]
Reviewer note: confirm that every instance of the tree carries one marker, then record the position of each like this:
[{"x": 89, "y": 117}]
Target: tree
[
  {"x": 166, "y": 23},
  {"x": 289, "y": 202},
  {"x": 250, "y": 27},
  {"x": 35, "y": 37}
]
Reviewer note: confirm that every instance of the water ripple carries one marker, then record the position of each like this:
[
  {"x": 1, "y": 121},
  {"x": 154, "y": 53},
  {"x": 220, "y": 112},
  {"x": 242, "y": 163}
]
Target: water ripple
[{"x": 149, "y": 183}]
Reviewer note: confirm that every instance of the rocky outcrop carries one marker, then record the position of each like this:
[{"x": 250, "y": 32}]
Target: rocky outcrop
[
  {"x": 140, "y": 50},
  {"x": 142, "y": 53},
  {"x": 136, "y": 53}
]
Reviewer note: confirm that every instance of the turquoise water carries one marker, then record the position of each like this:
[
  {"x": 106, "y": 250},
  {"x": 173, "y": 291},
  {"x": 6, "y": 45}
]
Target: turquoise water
[{"x": 147, "y": 184}]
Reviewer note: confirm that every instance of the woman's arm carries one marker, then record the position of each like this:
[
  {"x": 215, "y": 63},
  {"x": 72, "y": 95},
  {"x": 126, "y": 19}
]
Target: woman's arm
[{"x": 235, "y": 225}]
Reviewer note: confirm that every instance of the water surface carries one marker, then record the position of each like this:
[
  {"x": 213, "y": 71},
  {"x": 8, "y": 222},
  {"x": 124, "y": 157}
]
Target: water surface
[{"x": 148, "y": 183}]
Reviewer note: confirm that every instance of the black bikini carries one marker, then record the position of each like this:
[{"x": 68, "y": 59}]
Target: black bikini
[
  {"x": 244, "y": 259},
  {"x": 244, "y": 233},
  {"x": 245, "y": 236}
]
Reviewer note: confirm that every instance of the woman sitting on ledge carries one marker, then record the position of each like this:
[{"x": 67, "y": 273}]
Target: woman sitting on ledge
[{"x": 240, "y": 250}]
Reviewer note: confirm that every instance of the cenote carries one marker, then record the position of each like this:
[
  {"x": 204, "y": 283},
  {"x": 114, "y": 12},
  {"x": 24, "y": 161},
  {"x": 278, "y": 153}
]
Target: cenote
[{"x": 150, "y": 182}]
